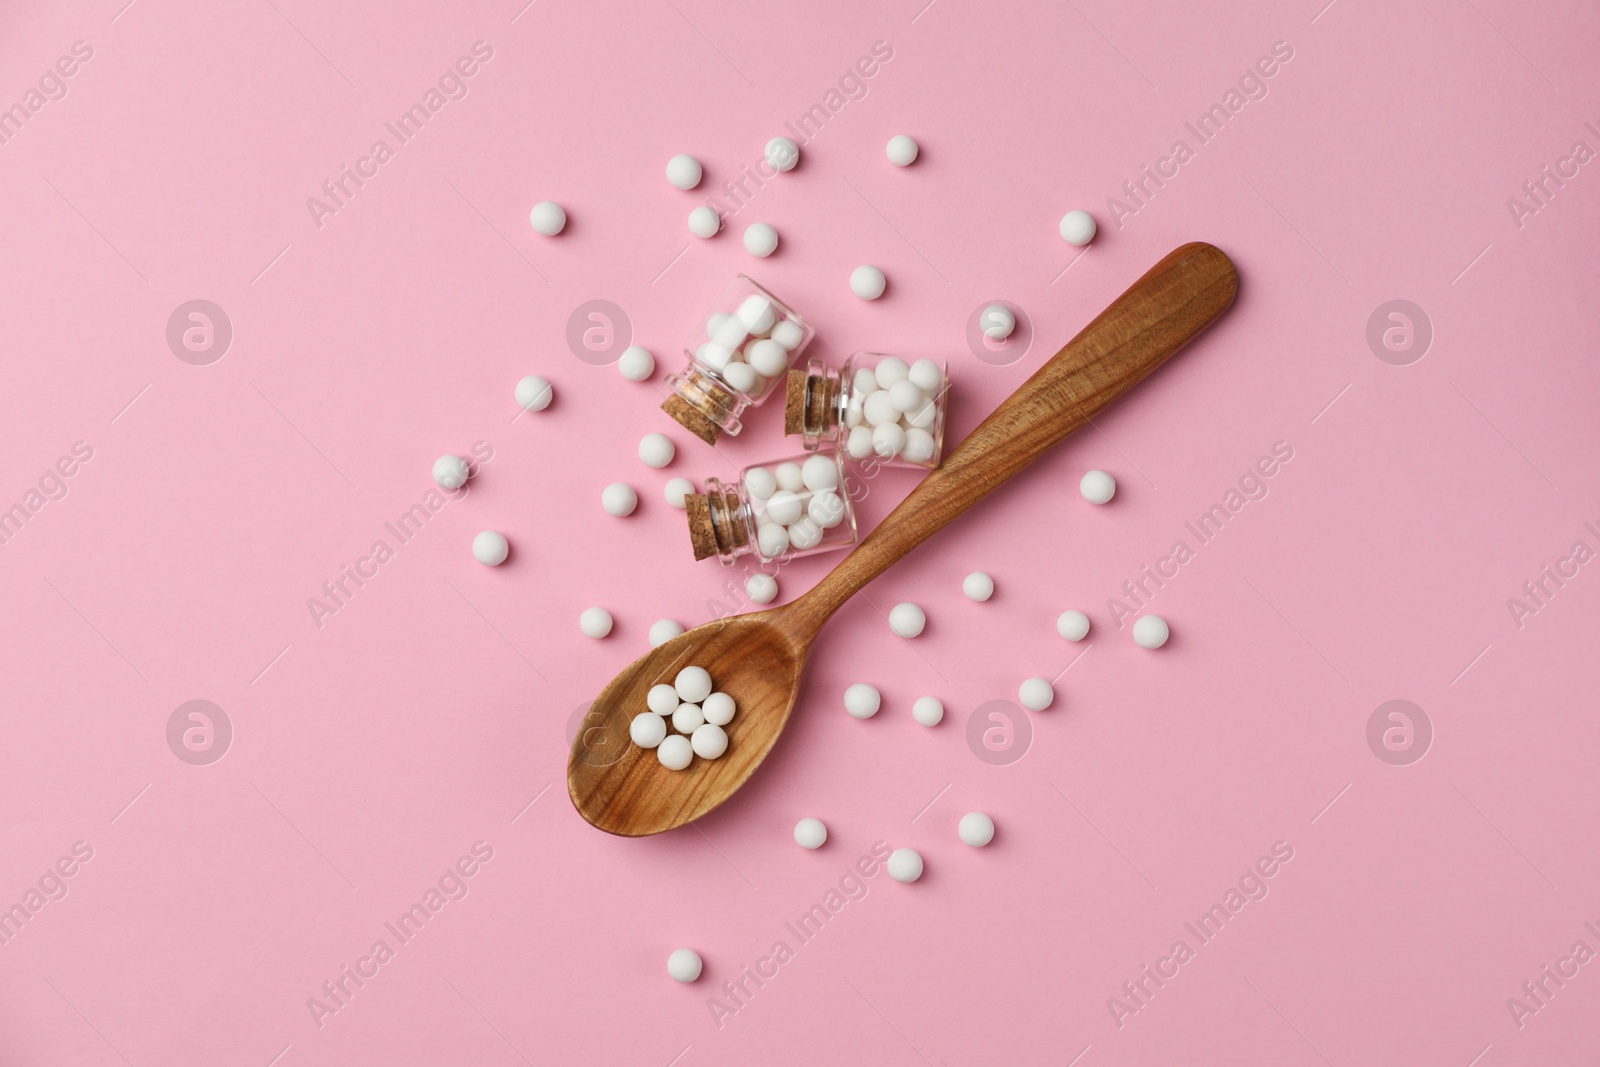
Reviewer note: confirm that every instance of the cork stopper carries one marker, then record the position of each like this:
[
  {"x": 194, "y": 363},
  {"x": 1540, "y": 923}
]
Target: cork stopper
[
  {"x": 794, "y": 402},
  {"x": 716, "y": 524},
  {"x": 692, "y": 419}
]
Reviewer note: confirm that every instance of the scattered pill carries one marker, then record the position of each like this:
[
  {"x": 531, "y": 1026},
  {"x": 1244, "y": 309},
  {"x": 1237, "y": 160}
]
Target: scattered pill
[
  {"x": 662, "y": 699},
  {"x": 718, "y": 708},
  {"x": 676, "y": 491},
  {"x": 975, "y": 829},
  {"x": 636, "y": 363},
  {"x": 657, "y": 450},
  {"x": 693, "y": 684},
  {"x": 1036, "y": 694},
  {"x": 683, "y": 171},
  {"x": 997, "y": 322},
  {"x": 664, "y": 630},
  {"x": 704, "y": 221},
  {"x": 534, "y": 393},
  {"x": 761, "y": 588},
  {"x": 905, "y": 865},
  {"x": 1073, "y": 625},
  {"x": 675, "y": 752},
  {"x": 928, "y": 711},
  {"x": 782, "y": 154},
  {"x": 978, "y": 586},
  {"x": 810, "y": 833},
  {"x": 867, "y": 282},
  {"x": 595, "y": 622},
  {"x": 1150, "y": 631},
  {"x": 862, "y": 700},
  {"x": 490, "y": 548},
  {"x": 1077, "y": 228},
  {"x": 548, "y": 217},
  {"x": 709, "y": 740},
  {"x": 450, "y": 472},
  {"x": 647, "y": 730},
  {"x": 688, "y": 718},
  {"x": 1098, "y": 487},
  {"x": 907, "y": 619},
  {"x": 684, "y": 965},
  {"x": 760, "y": 239},
  {"x": 901, "y": 150},
  {"x": 619, "y": 499}
]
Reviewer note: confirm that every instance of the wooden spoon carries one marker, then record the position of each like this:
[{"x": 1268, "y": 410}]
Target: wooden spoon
[{"x": 758, "y": 658}]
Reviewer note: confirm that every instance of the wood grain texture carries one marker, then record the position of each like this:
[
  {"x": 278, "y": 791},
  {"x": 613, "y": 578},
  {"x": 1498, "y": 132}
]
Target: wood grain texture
[{"x": 758, "y": 658}]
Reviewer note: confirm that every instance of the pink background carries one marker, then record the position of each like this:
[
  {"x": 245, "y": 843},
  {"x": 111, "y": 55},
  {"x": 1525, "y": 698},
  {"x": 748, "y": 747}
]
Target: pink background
[{"x": 432, "y": 710}]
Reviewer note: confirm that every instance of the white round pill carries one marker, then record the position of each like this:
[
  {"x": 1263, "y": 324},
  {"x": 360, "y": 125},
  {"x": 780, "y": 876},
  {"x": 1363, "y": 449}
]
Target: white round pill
[
  {"x": 772, "y": 540},
  {"x": 1073, "y": 625},
  {"x": 907, "y": 619},
  {"x": 997, "y": 322},
  {"x": 709, "y": 740},
  {"x": 647, "y": 730},
  {"x": 619, "y": 499},
  {"x": 926, "y": 375},
  {"x": 704, "y": 221},
  {"x": 548, "y": 218},
  {"x": 767, "y": 357},
  {"x": 683, "y": 171},
  {"x": 675, "y": 753},
  {"x": 810, "y": 833},
  {"x": 684, "y": 965},
  {"x": 782, "y": 154},
  {"x": 862, "y": 700},
  {"x": 657, "y": 450},
  {"x": 676, "y": 491},
  {"x": 760, "y": 239},
  {"x": 878, "y": 408},
  {"x": 805, "y": 534},
  {"x": 761, "y": 588},
  {"x": 905, "y": 865},
  {"x": 975, "y": 829},
  {"x": 1077, "y": 228},
  {"x": 1150, "y": 631},
  {"x": 534, "y": 393},
  {"x": 784, "y": 507},
  {"x": 757, "y": 314},
  {"x": 819, "y": 472},
  {"x": 826, "y": 509},
  {"x": 595, "y": 622},
  {"x": 718, "y": 709},
  {"x": 891, "y": 369},
  {"x": 867, "y": 282},
  {"x": 789, "y": 334},
  {"x": 664, "y": 630},
  {"x": 636, "y": 363},
  {"x": 888, "y": 440},
  {"x": 451, "y": 472},
  {"x": 760, "y": 482},
  {"x": 1036, "y": 694},
  {"x": 687, "y": 718},
  {"x": 866, "y": 380},
  {"x": 918, "y": 447},
  {"x": 901, "y": 150},
  {"x": 490, "y": 548},
  {"x": 978, "y": 586},
  {"x": 693, "y": 684},
  {"x": 1098, "y": 487},
  {"x": 859, "y": 444},
  {"x": 928, "y": 711},
  {"x": 790, "y": 477},
  {"x": 905, "y": 396},
  {"x": 742, "y": 378},
  {"x": 662, "y": 699}
]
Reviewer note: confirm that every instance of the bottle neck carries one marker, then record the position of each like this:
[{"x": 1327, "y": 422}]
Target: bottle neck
[
  {"x": 814, "y": 402},
  {"x": 720, "y": 522}
]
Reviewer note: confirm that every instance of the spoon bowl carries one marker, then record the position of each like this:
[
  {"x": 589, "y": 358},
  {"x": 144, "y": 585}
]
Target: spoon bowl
[{"x": 757, "y": 659}]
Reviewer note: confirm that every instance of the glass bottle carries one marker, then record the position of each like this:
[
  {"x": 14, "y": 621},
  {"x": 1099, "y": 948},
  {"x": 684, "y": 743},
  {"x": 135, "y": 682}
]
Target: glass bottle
[
  {"x": 873, "y": 405},
  {"x": 791, "y": 507}
]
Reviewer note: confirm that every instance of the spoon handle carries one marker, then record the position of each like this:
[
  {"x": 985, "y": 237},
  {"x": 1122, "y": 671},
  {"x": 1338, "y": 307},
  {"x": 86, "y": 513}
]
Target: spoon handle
[{"x": 1158, "y": 315}]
